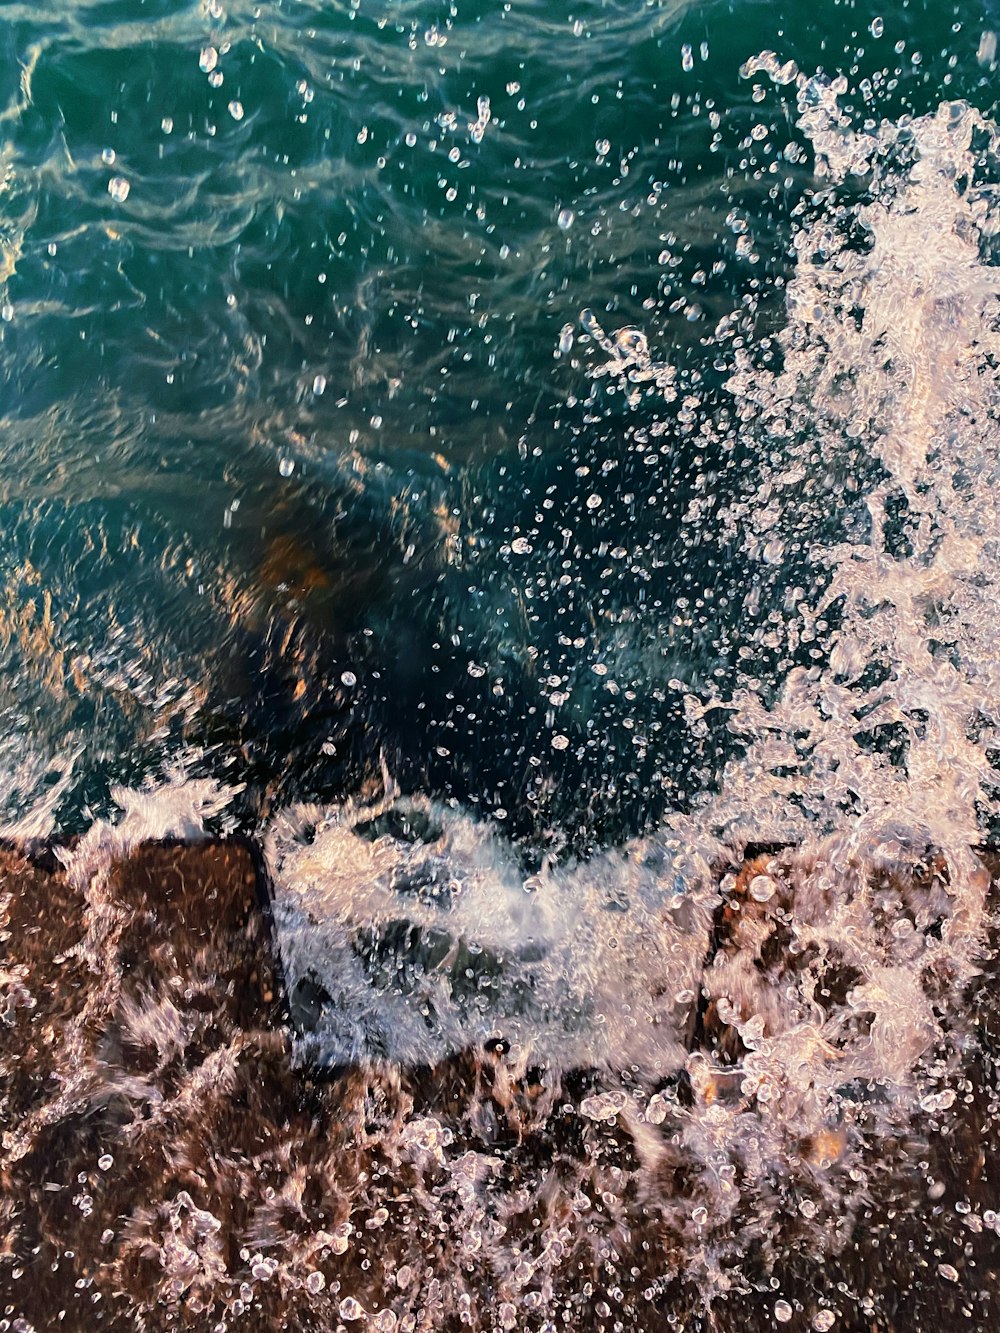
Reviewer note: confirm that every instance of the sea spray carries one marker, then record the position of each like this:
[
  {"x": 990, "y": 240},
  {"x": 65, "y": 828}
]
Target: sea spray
[{"x": 794, "y": 976}]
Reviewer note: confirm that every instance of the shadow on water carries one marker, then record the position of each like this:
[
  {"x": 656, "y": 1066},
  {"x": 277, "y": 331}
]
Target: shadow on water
[{"x": 527, "y": 638}]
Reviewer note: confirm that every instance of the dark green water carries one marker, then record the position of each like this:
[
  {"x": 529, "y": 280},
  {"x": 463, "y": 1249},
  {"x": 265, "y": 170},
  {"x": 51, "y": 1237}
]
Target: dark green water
[{"x": 291, "y": 354}]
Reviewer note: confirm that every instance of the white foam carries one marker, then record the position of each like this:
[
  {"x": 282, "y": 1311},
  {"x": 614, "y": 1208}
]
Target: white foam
[{"x": 432, "y": 943}]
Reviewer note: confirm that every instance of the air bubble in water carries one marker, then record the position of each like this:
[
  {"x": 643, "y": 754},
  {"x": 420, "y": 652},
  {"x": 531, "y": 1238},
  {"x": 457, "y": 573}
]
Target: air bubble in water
[
  {"x": 560, "y": 742},
  {"x": 687, "y": 58},
  {"x": 319, "y": 385},
  {"x": 565, "y": 338},
  {"x": 603, "y": 147},
  {"x": 208, "y": 59},
  {"x": 108, "y": 157},
  {"x": 349, "y": 679},
  {"x": 565, "y": 219},
  {"x": 351, "y": 1309},
  {"x": 286, "y": 466},
  {"x": 315, "y": 1282},
  {"x": 824, "y": 1320},
  {"x": 118, "y": 188},
  {"x": 236, "y": 110},
  {"x": 876, "y": 28},
  {"x": 782, "y": 1311},
  {"x": 105, "y": 1161}
]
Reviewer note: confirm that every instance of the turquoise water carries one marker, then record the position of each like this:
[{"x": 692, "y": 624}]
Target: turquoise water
[
  {"x": 284, "y": 288},
  {"x": 292, "y": 353}
]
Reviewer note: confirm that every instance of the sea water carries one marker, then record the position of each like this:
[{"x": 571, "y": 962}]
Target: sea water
[{"x": 510, "y": 463}]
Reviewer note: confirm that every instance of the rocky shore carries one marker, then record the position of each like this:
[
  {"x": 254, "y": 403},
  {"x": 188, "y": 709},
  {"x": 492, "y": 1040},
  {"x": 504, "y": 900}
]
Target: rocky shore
[{"x": 168, "y": 1162}]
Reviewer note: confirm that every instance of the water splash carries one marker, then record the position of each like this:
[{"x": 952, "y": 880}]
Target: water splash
[{"x": 681, "y": 1059}]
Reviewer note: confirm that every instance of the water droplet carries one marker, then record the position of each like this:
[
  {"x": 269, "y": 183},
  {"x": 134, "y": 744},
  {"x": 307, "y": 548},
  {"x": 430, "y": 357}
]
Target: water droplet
[
  {"x": 656, "y": 1109},
  {"x": 106, "y": 1161},
  {"x": 603, "y": 147},
  {"x": 208, "y": 59},
  {"x": 566, "y": 338},
  {"x": 319, "y": 385},
  {"x": 687, "y": 58},
  {"x": 823, "y": 1320},
  {"x": 521, "y": 546},
  {"x": 594, "y": 501},
  {"x": 762, "y": 888},
  {"x": 560, "y": 742},
  {"x": 315, "y": 1282},
  {"x": 782, "y": 1311},
  {"x": 167, "y": 125},
  {"x": 350, "y": 1308},
  {"x": 118, "y": 188},
  {"x": 236, "y": 110},
  {"x": 6, "y": 312},
  {"x": 286, "y": 466},
  {"x": 565, "y": 219},
  {"x": 631, "y": 342},
  {"x": 349, "y": 679},
  {"x": 604, "y": 1105},
  {"x": 108, "y": 157},
  {"x": 876, "y": 28},
  {"x": 948, "y": 1272}
]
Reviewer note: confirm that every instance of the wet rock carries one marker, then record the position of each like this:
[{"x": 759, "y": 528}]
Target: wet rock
[{"x": 166, "y": 1162}]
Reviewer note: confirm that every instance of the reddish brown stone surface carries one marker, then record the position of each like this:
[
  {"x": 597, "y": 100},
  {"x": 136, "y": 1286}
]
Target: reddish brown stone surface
[{"x": 141, "y": 1023}]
